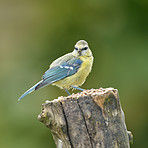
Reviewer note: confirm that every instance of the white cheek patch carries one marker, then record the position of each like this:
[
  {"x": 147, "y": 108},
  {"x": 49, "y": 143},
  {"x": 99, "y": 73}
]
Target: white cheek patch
[
  {"x": 67, "y": 67},
  {"x": 84, "y": 52},
  {"x": 74, "y": 52}
]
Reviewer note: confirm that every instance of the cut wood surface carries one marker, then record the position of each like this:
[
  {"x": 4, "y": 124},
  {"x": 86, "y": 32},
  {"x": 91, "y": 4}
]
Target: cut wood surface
[{"x": 89, "y": 119}]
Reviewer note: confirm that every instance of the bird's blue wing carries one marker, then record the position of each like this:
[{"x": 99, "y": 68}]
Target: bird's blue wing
[{"x": 60, "y": 72}]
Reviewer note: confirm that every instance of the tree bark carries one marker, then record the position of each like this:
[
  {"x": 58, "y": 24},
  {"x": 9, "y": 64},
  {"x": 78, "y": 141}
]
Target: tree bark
[{"x": 89, "y": 119}]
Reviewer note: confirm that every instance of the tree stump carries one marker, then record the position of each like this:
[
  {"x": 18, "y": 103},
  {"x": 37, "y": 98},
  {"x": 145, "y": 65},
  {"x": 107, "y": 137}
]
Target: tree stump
[{"x": 89, "y": 119}]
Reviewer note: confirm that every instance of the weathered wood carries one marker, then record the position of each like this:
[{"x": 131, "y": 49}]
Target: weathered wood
[{"x": 90, "y": 119}]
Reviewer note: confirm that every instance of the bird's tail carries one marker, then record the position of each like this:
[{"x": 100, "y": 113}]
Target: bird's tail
[{"x": 30, "y": 90}]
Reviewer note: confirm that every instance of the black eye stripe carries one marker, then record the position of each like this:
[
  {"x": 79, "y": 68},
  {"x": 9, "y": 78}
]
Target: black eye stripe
[{"x": 85, "y": 48}]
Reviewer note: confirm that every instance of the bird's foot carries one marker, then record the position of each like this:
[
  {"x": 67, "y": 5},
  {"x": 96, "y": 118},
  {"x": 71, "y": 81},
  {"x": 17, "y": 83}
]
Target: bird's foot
[
  {"x": 67, "y": 92},
  {"x": 77, "y": 88}
]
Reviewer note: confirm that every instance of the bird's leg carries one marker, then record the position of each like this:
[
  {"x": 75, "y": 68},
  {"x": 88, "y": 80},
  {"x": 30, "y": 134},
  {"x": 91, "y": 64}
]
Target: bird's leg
[
  {"x": 67, "y": 91},
  {"x": 77, "y": 88}
]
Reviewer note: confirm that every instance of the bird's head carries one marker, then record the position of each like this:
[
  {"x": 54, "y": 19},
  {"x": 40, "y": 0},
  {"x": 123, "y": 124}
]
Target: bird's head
[{"x": 81, "y": 49}]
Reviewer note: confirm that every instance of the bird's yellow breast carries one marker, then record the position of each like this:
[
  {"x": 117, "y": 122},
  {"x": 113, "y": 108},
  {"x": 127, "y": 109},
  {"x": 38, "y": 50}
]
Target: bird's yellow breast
[{"x": 78, "y": 78}]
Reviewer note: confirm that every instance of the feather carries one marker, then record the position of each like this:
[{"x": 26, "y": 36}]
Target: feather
[
  {"x": 30, "y": 90},
  {"x": 60, "y": 72}
]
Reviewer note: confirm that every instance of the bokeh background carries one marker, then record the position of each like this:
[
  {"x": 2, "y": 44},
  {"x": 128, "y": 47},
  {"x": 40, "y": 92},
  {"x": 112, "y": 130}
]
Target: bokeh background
[{"x": 34, "y": 33}]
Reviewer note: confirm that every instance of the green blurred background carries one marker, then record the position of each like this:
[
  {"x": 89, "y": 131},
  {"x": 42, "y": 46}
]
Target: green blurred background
[{"x": 34, "y": 33}]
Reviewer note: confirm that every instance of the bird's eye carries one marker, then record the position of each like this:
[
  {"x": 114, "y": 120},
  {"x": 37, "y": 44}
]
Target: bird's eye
[
  {"x": 76, "y": 48},
  {"x": 85, "y": 48}
]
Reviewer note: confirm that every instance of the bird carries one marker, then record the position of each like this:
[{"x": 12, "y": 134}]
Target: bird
[{"x": 68, "y": 71}]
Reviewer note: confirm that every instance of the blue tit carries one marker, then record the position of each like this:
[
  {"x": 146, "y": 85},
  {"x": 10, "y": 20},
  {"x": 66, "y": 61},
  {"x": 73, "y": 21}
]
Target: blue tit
[{"x": 68, "y": 71}]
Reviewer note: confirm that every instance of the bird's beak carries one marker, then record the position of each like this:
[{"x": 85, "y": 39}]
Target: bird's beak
[{"x": 79, "y": 50}]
